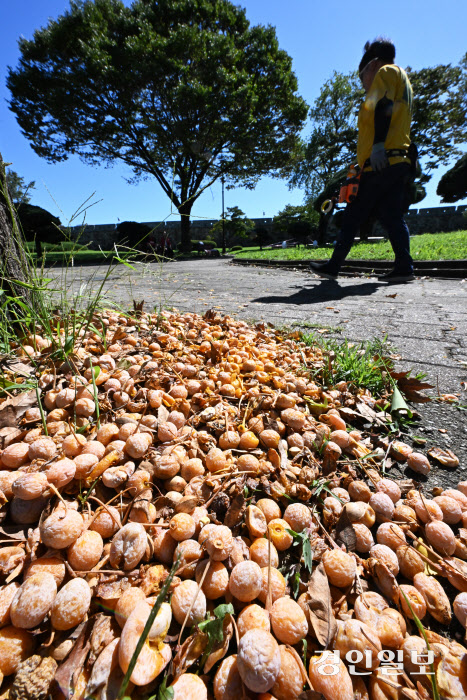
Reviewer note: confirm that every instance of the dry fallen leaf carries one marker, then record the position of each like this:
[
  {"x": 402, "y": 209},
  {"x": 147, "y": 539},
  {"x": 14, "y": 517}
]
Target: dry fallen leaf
[
  {"x": 13, "y": 409},
  {"x": 69, "y": 671},
  {"x": 445, "y": 457},
  {"x": 190, "y": 651},
  {"x": 104, "y": 665},
  {"x": 235, "y": 512},
  {"x": 9, "y": 435},
  {"x": 322, "y": 618},
  {"x": 411, "y": 387},
  {"x": 345, "y": 533}
]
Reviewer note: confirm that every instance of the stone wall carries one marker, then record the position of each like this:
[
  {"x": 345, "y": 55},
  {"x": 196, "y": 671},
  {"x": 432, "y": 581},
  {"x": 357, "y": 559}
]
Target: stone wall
[
  {"x": 433, "y": 220},
  {"x": 104, "y": 235}
]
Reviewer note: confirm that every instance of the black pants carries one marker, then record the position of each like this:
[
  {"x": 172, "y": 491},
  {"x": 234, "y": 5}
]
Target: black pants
[{"x": 382, "y": 194}]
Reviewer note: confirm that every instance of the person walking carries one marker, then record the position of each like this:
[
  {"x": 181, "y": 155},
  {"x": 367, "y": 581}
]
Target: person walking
[{"x": 383, "y": 156}]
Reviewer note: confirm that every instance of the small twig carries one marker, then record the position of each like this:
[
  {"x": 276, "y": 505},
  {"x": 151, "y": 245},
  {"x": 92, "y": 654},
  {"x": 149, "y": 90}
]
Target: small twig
[
  {"x": 237, "y": 636},
  {"x": 208, "y": 566}
]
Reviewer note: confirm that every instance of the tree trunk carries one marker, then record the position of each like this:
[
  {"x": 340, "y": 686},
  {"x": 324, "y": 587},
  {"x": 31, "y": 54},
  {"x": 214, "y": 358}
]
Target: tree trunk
[
  {"x": 185, "y": 225},
  {"x": 323, "y": 227},
  {"x": 13, "y": 262}
]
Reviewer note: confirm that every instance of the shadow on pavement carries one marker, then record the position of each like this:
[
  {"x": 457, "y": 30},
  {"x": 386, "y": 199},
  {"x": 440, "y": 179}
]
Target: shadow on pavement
[{"x": 326, "y": 290}]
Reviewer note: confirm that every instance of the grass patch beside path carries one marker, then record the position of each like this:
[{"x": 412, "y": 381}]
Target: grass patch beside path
[
  {"x": 428, "y": 246},
  {"x": 94, "y": 257},
  {"x": 365, "y": 365}
]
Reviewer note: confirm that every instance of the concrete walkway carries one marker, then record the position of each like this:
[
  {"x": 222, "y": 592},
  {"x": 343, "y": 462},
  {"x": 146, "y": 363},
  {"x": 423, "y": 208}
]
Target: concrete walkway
[{"x": 425, "y": 321}]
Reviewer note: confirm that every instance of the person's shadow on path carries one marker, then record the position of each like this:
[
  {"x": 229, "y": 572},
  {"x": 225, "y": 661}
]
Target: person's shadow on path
[{"x": 326, "y": 290}]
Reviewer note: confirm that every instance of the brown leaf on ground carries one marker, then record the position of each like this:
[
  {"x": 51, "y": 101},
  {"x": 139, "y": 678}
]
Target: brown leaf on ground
[
  {"x": 13, "y": 409},
  {"x": 345, "y": 533},
  {"x": 322, "y": 618},
  {"x": 283, "y": 449},
  {"x": 109, "y": 589},
  {"x": 405, "y": 485},
  {"x": 70, "y": 670},
  {"x": 104, "y": 632},
  {"x": 411, "y": 387},
  {"x": 445, "y": 457},
  {"x": 11, "y": 558},
  {"x": 235, "y": 513},
  {"x": 104, "y": 665},
  {"x": 20, "y": 368},
  {"x": 368, "y": 413},
  {"x": 9, "y": 435},
  {"x": 14, "y": 532},
  {"x": 118, "y": 335},
  {"x": 162, "y": 414},
  {"x": 186, "y": 505},
  {"x": 220, "y": 648},
  {"x": 190, "y": 651}
]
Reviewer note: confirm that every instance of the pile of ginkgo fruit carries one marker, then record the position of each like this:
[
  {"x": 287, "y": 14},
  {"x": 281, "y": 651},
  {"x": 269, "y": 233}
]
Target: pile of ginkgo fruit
[{"x": 192, "y": 471}]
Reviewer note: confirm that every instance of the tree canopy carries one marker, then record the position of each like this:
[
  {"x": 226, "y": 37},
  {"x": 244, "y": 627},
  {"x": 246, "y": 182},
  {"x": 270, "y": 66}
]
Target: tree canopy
[
  {"x": 237, "y": 227},
  {"x": 184, "y": 91},
  {"x": 439, "y": 124},
  {"x": 17, "y": 187},
  {"x": 291, "y": 214},
  {"x": 453, "y": 185},
  {"x": 133, "y": 234},
  {"x": 332, "y": 144},
  {"x": 39, "y": 225}
]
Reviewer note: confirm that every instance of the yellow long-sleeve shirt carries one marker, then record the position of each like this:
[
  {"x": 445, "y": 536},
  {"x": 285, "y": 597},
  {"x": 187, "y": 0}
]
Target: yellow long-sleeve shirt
[{"x": 390, "y": 82}]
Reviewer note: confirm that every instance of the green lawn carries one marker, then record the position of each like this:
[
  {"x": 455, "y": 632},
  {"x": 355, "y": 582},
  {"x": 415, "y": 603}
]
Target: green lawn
[
  {"x": 78, "y": 257},
  {"x": 428, "y": 246},
  {"x": 64, "y": 245}
]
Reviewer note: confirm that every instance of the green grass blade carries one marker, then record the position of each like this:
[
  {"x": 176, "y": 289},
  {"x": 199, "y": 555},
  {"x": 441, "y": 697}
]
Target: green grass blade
[
  {"x": 421, "y": 629},
  {"x": 152, "y": 616}
]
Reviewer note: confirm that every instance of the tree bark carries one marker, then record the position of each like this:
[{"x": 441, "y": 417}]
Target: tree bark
[
  {"x": 13, "y": 262},
  {"x": 185, "y": 225}
]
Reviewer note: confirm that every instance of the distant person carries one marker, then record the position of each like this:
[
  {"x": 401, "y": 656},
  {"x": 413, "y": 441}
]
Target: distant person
[
  {"x": 151, "y": 244},
  {"x": 382, "y": 153},
  {"x": 165, "y": 248}
]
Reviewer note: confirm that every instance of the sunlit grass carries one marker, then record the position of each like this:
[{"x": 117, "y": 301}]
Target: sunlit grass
[{"x": 428, "y": 246}]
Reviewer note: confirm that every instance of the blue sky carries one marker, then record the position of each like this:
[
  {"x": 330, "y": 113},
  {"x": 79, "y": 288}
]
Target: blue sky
[{"x": 320, "y": 37}]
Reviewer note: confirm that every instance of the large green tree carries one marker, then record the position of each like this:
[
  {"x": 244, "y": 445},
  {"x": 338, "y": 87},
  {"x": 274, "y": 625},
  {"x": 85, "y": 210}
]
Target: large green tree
[
  {"x": 184, "y": 91},
  {"x": 39, "y": 225},
  {"x": 236, "y": 227},
  {"x": 439, "y": 124},
  {"x": 332, "y": 144},
  {"x": 18, "y": 188},
  {"x": 453, "y": 185},
  {"x": 291, "y": 214},
  {"x": 14, "y": 265}
]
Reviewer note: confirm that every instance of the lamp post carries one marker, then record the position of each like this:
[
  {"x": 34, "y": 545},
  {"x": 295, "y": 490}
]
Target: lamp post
[{"x": 223, "y": 219}]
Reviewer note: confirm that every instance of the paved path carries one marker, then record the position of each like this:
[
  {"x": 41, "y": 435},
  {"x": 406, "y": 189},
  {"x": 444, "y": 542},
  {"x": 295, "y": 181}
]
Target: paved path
[{"x": 426, "y": 320}]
